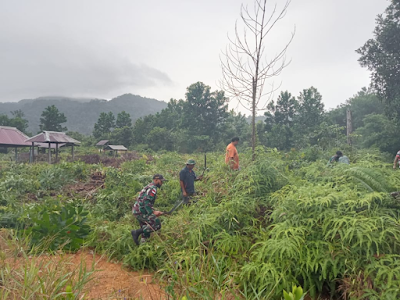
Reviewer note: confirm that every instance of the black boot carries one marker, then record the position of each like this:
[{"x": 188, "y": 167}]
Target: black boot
[{"x": 136, "y": 234}]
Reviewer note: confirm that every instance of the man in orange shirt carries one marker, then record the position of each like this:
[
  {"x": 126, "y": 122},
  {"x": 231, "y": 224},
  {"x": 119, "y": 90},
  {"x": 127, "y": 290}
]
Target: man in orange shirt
[{"x": 232, "y": 156}]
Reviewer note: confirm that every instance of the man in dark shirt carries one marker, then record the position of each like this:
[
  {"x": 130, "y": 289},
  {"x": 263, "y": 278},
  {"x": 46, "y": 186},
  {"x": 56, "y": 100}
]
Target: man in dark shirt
[{"x": 187, "y": 177}]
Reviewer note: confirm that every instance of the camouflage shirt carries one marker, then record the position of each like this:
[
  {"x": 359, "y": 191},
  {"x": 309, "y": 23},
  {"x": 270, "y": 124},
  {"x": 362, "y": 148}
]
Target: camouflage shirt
[{"x": 145, "y": 201}]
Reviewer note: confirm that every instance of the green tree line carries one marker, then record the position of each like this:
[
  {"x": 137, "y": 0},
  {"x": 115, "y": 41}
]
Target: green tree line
[{"x": 203, "y": 122}]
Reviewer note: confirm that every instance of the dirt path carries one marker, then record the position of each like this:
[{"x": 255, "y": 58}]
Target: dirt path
[
  {"x": 112, "y": 281},
  {"x": 108, "y": 281}
]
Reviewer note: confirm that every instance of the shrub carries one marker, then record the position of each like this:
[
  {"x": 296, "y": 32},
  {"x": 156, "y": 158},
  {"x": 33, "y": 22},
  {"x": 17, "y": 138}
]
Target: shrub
[
  {"x": 117, "y": 198},
  {"x": 58, "y": 226}
]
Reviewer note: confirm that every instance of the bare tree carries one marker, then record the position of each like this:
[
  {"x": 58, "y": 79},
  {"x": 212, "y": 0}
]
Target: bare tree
[{"x": 245, "y": 64}]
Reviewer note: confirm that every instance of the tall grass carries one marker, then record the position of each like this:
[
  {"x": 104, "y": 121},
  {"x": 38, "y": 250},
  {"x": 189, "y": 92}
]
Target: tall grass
[
  {"x": 285, "y": 219},
  {"x": 25, "y": 274},
  {"x": 259, "y": 231}
]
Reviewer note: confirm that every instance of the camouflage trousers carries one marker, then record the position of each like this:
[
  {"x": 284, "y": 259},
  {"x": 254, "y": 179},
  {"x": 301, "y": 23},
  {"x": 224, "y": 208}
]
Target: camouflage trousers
[{"x": 148, "y": 223}]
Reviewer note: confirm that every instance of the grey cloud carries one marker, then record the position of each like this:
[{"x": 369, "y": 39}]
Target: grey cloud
[
  {"x": 102, "y": 48},
  {"x": 51, "y": 65}
]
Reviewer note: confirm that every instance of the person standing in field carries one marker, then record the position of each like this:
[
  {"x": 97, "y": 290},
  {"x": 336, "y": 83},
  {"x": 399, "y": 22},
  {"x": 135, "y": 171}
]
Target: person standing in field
[
  {"x": 144, "y": 212},
  {"x": 396, "y": 162},
  {"x": 231, "y": 155},
  {"x": 187, "y": 177},
  {"x": 339, "y": 158}
]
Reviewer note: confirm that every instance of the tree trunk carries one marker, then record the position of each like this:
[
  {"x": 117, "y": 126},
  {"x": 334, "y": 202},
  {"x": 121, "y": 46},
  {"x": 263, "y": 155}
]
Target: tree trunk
[
  {"x": 33, "y": 152},
  {"x": 245, "y": 67},
  {"x": 349, "y": 126},
  {"x": 253, "y": 121}
]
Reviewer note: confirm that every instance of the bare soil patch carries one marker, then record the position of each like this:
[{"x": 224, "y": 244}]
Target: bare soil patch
[
  {"x": 109, "y": 280},
  {"x": 88, "y": 188},
  {"x": 112, "y": 281},
  {"x": 109, "y": 161}
]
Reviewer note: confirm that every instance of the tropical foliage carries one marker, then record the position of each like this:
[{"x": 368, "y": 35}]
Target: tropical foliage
[
  {"x": 380, "y": 55},
  {"x": 283, "y": 220},
  {"x": 52, "y": 119},
  {"x": 17, "y": 120}
]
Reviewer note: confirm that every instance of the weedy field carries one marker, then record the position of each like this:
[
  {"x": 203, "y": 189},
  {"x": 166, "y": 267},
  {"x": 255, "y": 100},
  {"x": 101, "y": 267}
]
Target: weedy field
[{"x": 284, "y": 220}]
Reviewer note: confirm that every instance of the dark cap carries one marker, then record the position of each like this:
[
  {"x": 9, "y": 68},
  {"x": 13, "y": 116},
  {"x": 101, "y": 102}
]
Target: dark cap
[
  {"x": 191, "y": 162},
  {"x": 159, "y": 176}
]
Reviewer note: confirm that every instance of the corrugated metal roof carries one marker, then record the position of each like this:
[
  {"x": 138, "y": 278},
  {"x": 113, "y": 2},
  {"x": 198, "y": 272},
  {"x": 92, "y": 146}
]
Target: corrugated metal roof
[
  {"x": 53, "y": 137},
  {"x": 102, "y": 142},
  {"x": 52, "y": 145},
  {"x": 11, "y": 136},
  {"x": 116, "y": 147}
]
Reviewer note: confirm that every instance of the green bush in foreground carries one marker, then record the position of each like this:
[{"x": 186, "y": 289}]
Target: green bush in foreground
[{"x": 56, "y": 226}]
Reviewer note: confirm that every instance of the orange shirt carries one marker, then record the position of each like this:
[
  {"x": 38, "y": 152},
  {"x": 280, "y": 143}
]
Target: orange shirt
[{"x": 231, "y": 153}]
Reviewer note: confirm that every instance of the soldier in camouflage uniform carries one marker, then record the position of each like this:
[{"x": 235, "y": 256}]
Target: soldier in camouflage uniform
[{"x": 144, "y": 212}]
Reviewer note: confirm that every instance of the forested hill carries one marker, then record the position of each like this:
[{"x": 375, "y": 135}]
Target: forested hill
[{"x": 82, "y": 114}]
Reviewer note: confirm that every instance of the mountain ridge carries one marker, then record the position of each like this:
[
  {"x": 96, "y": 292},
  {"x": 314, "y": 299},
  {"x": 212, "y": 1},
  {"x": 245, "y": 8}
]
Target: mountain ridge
[{"x": 82, "y": 113}]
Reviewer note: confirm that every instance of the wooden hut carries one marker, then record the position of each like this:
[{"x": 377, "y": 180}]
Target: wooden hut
[
  {"x": 54, "y": 138},
  {"x": 116, "y": 149},
  {"x": 11, "y": 137}
]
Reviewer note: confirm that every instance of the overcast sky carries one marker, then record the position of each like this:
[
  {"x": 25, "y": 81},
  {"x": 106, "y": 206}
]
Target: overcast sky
[{"x": 156, "y": 49}]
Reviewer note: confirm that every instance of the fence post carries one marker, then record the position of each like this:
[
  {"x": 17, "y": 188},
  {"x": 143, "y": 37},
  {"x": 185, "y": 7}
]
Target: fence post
[{"x": 349, "y": 126}]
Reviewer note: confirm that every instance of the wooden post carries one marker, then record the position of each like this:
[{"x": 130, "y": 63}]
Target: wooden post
[
  {"x": 72, "y": 151},
  {"x": 33, "y": 152},
  {"x": 56, "y": 152},
  {"x": 349, "y": 126},
  {"x": 16, "y": 154},
  {"x": 49, "y": 154}
]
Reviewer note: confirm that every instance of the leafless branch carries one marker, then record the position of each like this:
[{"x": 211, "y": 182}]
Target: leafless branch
[{"x": 245, "y": 67}]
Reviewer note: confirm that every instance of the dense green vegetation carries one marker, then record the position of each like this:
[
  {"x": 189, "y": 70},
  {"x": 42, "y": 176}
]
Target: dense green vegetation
[
  {"x": 380, "y": 55},
  {"x": 17, "y": 120},
  {"x": 52, "y": 119},
  {"x": 285, "y": 219}
]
